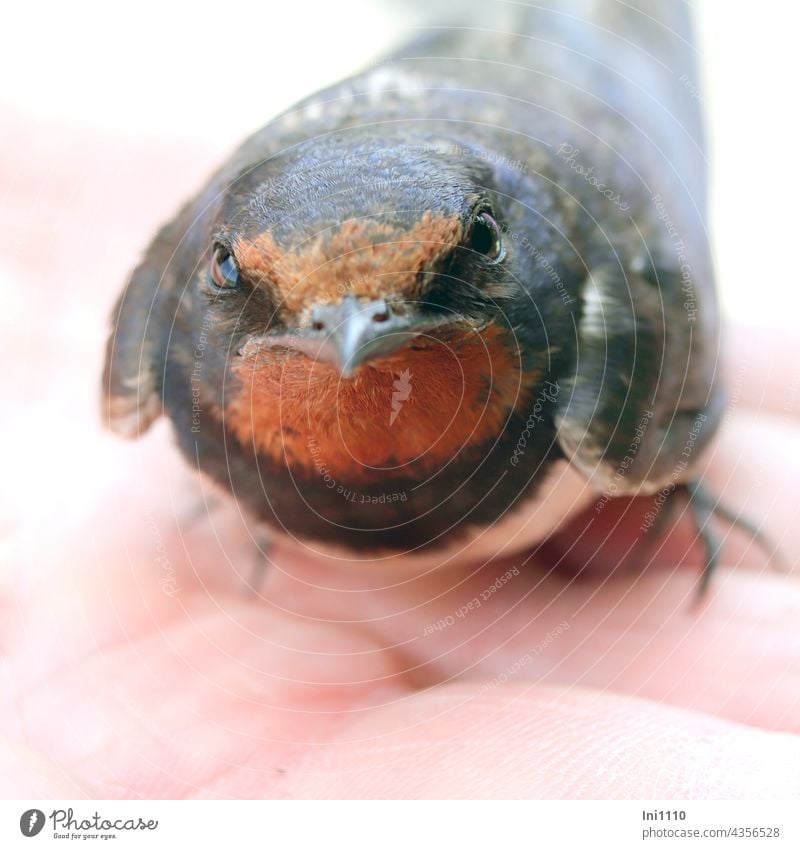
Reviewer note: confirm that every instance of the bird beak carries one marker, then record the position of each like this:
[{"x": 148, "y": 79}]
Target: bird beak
[{"x": 353, "y": 332}]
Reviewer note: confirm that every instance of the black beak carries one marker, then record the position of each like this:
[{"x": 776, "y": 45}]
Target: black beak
[{"x": 353, "y": 332}]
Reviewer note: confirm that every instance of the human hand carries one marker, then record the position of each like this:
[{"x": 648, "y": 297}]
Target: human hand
[{"x": 136, "y": 663}]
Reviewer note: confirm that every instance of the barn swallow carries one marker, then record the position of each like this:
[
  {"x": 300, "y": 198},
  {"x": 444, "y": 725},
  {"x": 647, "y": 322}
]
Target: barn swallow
[{"x": 450, "y": 300}]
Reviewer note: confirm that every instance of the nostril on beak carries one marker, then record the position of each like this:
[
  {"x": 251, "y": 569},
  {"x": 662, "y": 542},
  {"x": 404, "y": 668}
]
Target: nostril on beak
[
  {"x": 331, "y": 318},
  {"x": 353, "y": 331}
]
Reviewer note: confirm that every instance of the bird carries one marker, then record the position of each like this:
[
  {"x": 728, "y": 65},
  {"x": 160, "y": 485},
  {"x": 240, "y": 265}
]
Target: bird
[{"x": 434, "y": 310}]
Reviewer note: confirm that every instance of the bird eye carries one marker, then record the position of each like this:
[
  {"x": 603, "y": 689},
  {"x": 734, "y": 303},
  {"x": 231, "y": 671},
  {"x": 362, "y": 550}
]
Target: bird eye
[
  {"x": 224, "y": 273},
  {"x": 486, "y": 238}
]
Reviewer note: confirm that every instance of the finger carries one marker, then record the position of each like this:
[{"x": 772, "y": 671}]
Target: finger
[
  {"x": 762, "y": 370},
  {"x": 27, "y": 774},
  {"x": 532, "y": 742}
]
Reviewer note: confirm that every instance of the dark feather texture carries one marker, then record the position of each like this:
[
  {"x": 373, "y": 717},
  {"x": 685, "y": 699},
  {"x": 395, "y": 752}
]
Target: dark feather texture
[{"x": 587, "y": 333}]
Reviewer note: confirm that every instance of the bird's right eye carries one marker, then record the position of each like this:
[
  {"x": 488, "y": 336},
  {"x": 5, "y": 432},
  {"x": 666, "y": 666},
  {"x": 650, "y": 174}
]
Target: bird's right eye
[
  {"x": 224, "y": 273},
  {"x": 487, "y": 239}
]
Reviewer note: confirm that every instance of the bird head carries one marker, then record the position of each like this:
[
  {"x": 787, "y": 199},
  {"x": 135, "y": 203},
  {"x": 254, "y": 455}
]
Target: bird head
[
  {"x": 331, "y": 271},
  {"x": 300, "y": 290},
  {"x": 350, "y": 256}
]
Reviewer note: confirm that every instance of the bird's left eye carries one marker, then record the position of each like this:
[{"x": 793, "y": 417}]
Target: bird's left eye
[
  {"x": 486, "y": 238},
  {"x": 224, "y": 273}
]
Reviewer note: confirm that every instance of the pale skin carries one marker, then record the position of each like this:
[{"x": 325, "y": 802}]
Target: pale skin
[{"x": 135, "y": 664}]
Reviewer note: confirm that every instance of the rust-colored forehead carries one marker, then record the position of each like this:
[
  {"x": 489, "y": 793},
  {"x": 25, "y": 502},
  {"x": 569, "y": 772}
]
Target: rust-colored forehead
[{"x": 364, "y": 258}]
